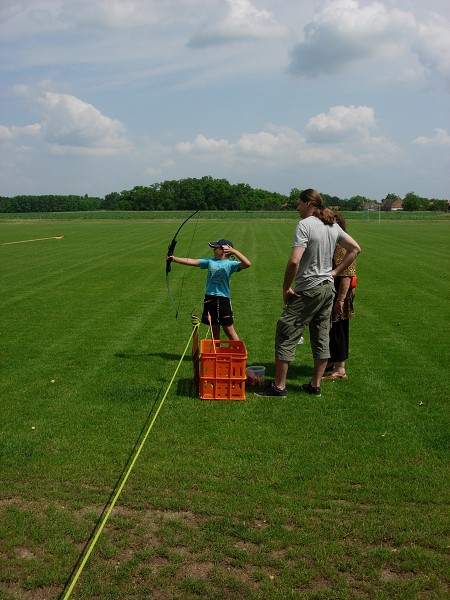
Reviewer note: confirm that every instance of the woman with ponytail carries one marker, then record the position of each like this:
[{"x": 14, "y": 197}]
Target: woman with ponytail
[
  {"x": 313, "y": 197},
  {"x": 310, "y": 301}
]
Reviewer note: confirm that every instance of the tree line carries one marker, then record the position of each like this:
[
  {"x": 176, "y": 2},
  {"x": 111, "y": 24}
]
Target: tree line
[
  {"x": 414, "y": 202},
  {"x": 205, "y": 193}
]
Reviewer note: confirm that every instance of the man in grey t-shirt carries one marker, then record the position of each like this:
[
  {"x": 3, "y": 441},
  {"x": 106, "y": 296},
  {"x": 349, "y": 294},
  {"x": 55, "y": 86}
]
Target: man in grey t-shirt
[{"x": 310, "y": 301}]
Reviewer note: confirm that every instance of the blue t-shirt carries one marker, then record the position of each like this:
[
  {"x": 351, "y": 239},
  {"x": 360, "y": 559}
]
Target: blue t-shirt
[{"x": 218, "y": 277}]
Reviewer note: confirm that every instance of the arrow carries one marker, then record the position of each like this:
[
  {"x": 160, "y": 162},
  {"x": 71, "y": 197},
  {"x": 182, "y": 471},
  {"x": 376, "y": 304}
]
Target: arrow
[{"x": 54, "y": 237}]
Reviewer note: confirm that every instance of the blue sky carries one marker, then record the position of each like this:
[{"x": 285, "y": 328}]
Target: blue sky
[{"x": 346, "y": 96}]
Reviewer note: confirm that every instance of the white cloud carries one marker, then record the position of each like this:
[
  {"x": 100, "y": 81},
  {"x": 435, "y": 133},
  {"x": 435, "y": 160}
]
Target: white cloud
[
  {"x": 433, "y": 48},
  {"x": 440, "y": 138},
  {"x": 344, "y": 33},
  {"x": 341, "y": 124},
  {"x": 275, "y": 143},
  {"x": 5, "y": 133},
  {"x": 30, "y": 17},
  {"x": 112, "y": 14},
  {"x": 69, "y": 125},
  {"x": 72, "y": 126},
  {"x": 339, "y": 137},
  {"x": 262, "y": 144},
  {"x": 243, "y": 22},
  {"x": 23, "y": 19},
  {"x": 148, "y": 36},
  {"x": 204, "y": 145},
  {"x": 33, "y": 130},
  {"x": 325, "y": 154}
]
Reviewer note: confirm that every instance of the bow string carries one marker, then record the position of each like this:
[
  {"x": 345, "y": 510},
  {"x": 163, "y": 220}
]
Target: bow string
[{"x": 170, "y": 251}]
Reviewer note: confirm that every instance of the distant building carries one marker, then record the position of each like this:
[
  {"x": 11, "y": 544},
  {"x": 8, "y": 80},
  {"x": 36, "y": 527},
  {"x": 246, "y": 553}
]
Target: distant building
[
  {"x": 397, "y": 205},
  {"x": 392, "y": 204},
  {"x": 370, "y": 205}
]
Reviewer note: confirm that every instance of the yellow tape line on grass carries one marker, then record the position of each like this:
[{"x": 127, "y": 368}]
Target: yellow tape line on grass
[{"x": 124, "y": 480}]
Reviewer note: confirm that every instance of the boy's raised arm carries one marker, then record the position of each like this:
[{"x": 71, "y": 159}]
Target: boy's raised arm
[{"x": 245, "y": 263}]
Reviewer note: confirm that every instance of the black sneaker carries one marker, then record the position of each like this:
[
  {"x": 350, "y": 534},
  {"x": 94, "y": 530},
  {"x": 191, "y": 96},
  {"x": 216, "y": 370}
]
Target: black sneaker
[
  {"x": 309, "y": 389},
  {"x": 272, "y": 391}
]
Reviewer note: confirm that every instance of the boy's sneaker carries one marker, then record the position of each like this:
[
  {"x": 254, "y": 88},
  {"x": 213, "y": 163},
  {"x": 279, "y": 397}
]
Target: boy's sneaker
[
  {"x": 272, "y": 391},
  {"x": 309, "y": 389}
]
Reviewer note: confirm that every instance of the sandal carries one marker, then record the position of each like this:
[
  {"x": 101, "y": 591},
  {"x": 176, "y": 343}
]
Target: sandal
[{"x": 336, "y": 376}]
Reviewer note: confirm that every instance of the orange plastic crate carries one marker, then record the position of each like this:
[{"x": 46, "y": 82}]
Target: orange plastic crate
[{"x": 222, "y": 370}]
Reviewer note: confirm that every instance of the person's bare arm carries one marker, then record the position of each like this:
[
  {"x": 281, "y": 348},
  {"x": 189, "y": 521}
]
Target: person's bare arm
[
  {"x": 190, "y": 262},
  {"x": 245, "y": 263},
  {"x": 291, "y": 271},
  {"x": 340, "y": 297}
]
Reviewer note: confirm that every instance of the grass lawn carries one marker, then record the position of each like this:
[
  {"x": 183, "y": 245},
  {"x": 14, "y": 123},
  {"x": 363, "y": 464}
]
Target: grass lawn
[{"x": 344, "y": 496}]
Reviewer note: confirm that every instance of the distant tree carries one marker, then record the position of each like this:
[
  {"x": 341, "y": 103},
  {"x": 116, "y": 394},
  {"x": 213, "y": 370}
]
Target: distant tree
[
  {"x": 110, "y": 201},
  {"x": 413, "y": 202},
  {"x": 333, "y": 200},
  {"x": 205, "y": 193},
  {"x": 50, "y": 203},
  {"x": 211, "y": 192},
  {"x": 293, "y": 196},
  {"x": 327, "y": 199},
  {"x": 439, "y": 205},
  {"x": 356, "y": 203}
]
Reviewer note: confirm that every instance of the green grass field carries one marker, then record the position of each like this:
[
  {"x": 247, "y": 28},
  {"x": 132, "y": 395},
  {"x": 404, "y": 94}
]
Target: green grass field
[{"x": 344, "y": 496}]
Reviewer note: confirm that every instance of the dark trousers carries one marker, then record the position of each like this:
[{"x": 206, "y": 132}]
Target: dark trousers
[{"x": 339, "y": 334}]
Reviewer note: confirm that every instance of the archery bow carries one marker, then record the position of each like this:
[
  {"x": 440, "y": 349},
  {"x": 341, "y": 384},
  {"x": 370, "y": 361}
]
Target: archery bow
[{"x": 170, "y": 251}]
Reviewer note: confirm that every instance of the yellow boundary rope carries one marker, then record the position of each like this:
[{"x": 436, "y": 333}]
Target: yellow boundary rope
[{"x": 124, "y": 480}]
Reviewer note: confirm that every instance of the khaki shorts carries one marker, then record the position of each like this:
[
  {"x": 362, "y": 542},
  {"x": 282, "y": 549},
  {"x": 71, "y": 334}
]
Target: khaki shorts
[{"x": 312, "y": 309}]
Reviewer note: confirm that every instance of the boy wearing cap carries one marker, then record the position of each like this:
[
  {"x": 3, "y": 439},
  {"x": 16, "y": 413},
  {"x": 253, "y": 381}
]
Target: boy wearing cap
[{"x": 217, "y": 309}]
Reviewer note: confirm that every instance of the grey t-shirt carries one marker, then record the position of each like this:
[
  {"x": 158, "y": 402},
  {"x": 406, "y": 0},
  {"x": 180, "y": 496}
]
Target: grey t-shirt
[{"x": 319, "y": 241}]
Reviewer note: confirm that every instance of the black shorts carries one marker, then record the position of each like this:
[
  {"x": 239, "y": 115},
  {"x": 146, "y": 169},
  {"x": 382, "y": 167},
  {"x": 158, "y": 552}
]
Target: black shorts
[{"x": 219, "y": 309}]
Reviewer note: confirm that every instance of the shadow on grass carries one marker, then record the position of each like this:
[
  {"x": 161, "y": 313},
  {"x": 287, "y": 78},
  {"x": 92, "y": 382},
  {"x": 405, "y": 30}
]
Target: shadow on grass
[
  {"x": 300, "y": 371},
  {"x": 113, "y": 492},
  {"x": 295, "y": 371},
  {"x": 186, "y": 387}
]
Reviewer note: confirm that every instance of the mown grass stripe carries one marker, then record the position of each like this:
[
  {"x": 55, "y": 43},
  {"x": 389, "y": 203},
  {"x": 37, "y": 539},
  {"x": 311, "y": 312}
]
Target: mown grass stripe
[{"x": 343, "y": 496}]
